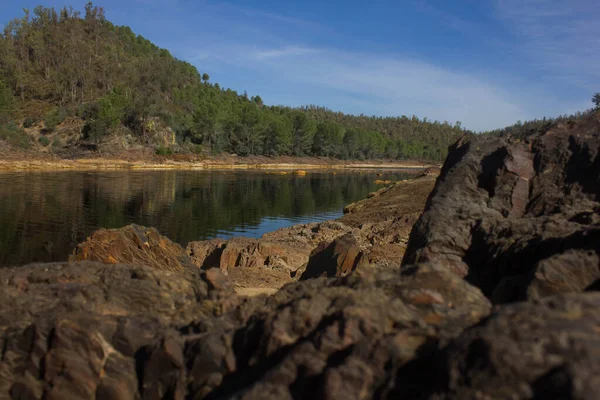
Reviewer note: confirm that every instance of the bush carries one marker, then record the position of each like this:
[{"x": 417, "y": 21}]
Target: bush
[
  {"x": 14, "y": 136},
  {"x": 44, "y": 141},
  {"x": 163, "y": 151},
  {"x": 28, "y": 122},
  {"x": 54, "y": 118}
]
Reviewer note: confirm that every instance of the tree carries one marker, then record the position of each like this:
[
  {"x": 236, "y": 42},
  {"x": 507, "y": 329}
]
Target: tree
[
  {"x": 205, "y": 77},
  {"x": 6, "y": 103},
  {"x": 303, "y": 132},
  {"x": 596, "y": 100}
]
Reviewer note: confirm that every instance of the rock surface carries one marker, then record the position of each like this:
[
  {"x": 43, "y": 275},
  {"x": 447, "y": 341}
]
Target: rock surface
[
  {"x": 380, "y": 226},
  {"x": 133, "y": 244},
  {"x": 336, "y": 259},
  {"x": 518, "y": 218}
]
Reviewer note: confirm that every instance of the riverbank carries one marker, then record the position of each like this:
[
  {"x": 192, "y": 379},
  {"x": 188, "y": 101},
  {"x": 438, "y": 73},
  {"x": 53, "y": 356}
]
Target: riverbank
[{"x": 216, "y": 163}]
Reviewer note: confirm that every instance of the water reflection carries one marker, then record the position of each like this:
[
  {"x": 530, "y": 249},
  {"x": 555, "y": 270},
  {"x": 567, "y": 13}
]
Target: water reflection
[{"x": 44, "y": 215}]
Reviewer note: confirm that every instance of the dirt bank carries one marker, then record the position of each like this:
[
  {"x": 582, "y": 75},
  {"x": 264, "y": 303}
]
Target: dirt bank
[{"x": 226, "y": 162}]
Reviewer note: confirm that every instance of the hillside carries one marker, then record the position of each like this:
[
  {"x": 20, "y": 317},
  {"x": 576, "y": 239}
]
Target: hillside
[{"x": 72, "y": 82}]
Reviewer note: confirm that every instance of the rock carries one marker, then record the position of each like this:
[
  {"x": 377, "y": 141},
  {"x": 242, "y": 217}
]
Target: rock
[
  {"x": 335, "y": 259},
  {"x": 246, "y": 253},
  {"x": 206, "y": 254},
  {"x": 92, "y": 330},
  {"x": 518, "y": 218},
  {"x": 135, "y": 245},
  {"x": 545, "y": 350}
]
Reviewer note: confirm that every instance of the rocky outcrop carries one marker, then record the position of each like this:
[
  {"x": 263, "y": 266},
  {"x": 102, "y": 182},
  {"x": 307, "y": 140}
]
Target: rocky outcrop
[
  {"x": 133, "y": 244},
  {"x": 545, "y": 350},
  {"x": 90, "y": 330},
  {"x": 336, "y": 259},
  {"x": 113, "y": 331},
  {"x": 519, "y": 218}
]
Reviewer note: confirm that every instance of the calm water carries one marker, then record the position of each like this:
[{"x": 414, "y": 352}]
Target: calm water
[{"x": 44, "y": 215}]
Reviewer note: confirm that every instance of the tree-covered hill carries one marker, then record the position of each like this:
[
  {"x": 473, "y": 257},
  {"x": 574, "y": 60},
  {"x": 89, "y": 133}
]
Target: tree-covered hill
[{"x": 106, "y": 81}]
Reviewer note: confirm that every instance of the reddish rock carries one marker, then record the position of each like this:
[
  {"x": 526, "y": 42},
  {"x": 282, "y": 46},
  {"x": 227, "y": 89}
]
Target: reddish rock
[
  {"x": 335, "y": 259},
  {"x": 135, "y": 245},
  {"x": 518, "y": 217}
]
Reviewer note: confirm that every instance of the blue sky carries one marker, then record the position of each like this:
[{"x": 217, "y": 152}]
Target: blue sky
[{"x": 486, "y": 63}]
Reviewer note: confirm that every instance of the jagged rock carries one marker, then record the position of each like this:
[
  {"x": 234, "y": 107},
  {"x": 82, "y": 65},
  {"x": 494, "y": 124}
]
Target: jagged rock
[
  {"x": 545, "y": 350},
  {"x": 207, "y": 253},
  {"x": 246, "y": 253},
  {"x": 335, "y": 259},
  {"x": 335, "y": 338},
  {"x": 90, "y": 330},
  {"x": 518, "y": 218},
  {"x": 135, "y": 245}
]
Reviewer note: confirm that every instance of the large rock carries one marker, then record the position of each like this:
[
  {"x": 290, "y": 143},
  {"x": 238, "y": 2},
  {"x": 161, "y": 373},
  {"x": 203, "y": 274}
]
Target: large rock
[
  {"x": 545, "y": 350},
  {"x": 90, "y": 330},
  {"x": 336, "y": 259},
  {"x": 246, "y": 253},
  {"x": 517, "y": 217},
  {"x": 135, "y": 245}
]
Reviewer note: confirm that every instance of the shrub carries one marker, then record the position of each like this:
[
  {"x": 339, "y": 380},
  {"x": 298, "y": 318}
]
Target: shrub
[
  {"x": 44, "y": 141},
  {"x": 28, "y": 122},
  {"x": 55, "y": 117},
  {"x": 14, "y": 136},
  {"x": 163, "y": 151}
]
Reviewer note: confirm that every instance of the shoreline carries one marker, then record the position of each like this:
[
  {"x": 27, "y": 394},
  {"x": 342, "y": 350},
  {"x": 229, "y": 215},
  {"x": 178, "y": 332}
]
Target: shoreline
[{"x": 110, "y": 164}]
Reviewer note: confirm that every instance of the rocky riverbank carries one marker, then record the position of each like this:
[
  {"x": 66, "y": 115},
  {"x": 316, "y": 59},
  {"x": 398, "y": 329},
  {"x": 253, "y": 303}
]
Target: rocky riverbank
[{"x": 495, "y": 297}]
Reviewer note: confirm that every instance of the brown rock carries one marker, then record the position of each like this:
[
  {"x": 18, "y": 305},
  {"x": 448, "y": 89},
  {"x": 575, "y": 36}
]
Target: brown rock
[
  {"x": 135, "y": 245},
  {"x": 546, "y": 350},
  {"x": 247, "y": 253},
  {"x": 335, "y": 259},
  {"x": 519, "y": 218}
]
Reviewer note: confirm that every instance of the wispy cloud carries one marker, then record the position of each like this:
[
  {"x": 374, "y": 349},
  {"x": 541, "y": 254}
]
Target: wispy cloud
[
  {"x": 560, "y": 37},
  {"x": 383, "y": 85},
  {"x": 286, "y": 51}
]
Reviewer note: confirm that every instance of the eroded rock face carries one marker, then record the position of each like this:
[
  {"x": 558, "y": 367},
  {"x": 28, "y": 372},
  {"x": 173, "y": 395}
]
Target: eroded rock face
[
  {"x": 518, "y": 218},
  {"x": 133, "y": 244},
  {"x": 545, "y": 350},
  {"x": 336, "y": 259},
  {"x": 90, "y": 330}
]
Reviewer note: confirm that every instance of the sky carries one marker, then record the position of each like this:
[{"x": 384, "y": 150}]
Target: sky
[{"x": 486, "y": 63}]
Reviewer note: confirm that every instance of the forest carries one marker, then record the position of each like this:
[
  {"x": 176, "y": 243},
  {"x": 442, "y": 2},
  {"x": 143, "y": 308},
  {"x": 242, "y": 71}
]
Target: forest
[{"x": 59, "y": 65}]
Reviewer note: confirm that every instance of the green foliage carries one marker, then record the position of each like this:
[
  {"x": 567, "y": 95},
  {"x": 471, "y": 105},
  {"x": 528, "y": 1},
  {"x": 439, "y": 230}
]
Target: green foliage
[
  {"x": 596, "y": 100},
  {"x": 163, "y": 151},
  {"x": 6, "y": 103},
  {"x": 44, "y": 141},
  {"x": 69, "y": 60},
  {"x": 54, "y": 118},
  {"x": 14, "y": 135},
  {"x": 28, "y": 122}
]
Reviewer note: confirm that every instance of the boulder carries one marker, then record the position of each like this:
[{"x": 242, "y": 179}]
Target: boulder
[
  {"x": 543, "y": 350},
  {"x": 335, "y": 259},
  {"x": 246, "y": 253},
  {"x": 135, "y": 245},
  {"x": 517, "y": 217}
]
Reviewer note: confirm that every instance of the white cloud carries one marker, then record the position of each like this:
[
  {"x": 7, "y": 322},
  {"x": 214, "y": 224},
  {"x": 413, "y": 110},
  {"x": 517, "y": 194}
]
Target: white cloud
[
  {"x": 559, "y": 37},
  {"x": 283, "y": 52}
]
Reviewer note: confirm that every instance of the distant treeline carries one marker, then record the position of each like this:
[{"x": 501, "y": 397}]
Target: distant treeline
[{"x": 59, "y": 64}]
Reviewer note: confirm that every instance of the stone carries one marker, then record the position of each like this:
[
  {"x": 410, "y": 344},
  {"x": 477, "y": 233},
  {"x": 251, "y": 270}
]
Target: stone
[
  {"x": 517, "y": 217},
  {"x": 336, "y": 259},
  {"x": 135, "y": 245}
]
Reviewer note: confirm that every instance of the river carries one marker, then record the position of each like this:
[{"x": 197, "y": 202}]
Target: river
[{"x": 44, "y": 215}]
